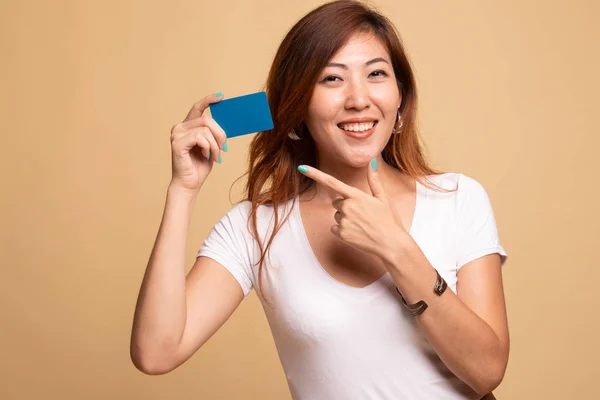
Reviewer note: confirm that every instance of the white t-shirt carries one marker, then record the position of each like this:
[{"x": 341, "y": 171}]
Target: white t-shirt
[{"x": 341, "y": 342}]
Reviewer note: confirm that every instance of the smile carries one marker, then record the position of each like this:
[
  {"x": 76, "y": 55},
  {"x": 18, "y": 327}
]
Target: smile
[{"x": 359, "y": 130}]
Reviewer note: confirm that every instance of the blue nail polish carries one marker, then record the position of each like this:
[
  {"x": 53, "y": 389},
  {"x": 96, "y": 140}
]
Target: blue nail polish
[
  {"x": 208, "y": 155},
  {"x": 219, "y": 94},
  {"x": 374, "y": 164},
  {"x": 219, "y": 160},
  {"x": 302, "y": 169},
  {"x": 225, "y": 148}
]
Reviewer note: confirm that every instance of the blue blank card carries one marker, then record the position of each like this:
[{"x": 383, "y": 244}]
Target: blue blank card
[{"x": 243, "y": 115}]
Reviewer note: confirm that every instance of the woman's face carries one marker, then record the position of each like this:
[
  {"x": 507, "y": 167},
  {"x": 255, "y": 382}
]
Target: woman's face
[{"x": 354, "y": 104}]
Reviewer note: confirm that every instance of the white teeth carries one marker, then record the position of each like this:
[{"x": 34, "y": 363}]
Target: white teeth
[{"x": 358, "y": 127}]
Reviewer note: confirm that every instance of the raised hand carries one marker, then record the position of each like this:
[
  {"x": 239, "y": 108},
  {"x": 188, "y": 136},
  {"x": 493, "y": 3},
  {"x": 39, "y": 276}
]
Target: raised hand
[{"x": 196, "y": 144}]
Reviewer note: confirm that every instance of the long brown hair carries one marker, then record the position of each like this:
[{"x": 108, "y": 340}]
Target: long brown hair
[{"x": 273, "y": 178}]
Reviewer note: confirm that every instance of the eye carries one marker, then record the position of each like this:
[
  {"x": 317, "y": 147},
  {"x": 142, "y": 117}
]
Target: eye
[
  {"x": 379, "y": 72},
  {"x": 330, "y": 78}
]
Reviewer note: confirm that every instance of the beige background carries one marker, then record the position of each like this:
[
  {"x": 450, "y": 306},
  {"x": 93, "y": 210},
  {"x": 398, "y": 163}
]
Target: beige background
[{"x": 90, "y": 89}]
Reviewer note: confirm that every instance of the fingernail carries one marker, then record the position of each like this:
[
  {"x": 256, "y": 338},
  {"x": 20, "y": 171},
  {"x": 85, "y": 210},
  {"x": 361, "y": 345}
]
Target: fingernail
[
  {"x": 302, "y": 169},
  {"x": 208, "y": 155},
  {"x": 219, "y": 160},
  {"x": 374, "y": 164},
  {"x": 219, "y": 94},
  {"x": 225, "y": 148}
]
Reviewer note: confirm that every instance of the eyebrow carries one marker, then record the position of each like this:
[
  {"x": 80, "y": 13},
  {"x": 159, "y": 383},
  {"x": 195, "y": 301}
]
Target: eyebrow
[{"x": 373, "y": 61}]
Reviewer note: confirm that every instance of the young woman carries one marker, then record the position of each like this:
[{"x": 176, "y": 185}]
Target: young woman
[{"x": 350, "y": 239}]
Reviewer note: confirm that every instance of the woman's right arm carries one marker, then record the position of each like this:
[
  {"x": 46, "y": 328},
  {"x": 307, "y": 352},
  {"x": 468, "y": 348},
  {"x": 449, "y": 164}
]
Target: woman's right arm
[{"x": 175, "y": 314}]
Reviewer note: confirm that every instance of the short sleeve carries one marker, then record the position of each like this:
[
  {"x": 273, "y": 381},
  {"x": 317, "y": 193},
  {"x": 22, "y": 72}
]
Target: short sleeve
[
  {"x": 230, "y": 244},
  {"x": 477, "y": 234}
]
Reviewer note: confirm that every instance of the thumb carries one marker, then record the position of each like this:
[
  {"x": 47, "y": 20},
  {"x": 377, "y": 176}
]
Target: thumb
[{"x": 374, "y": 182}]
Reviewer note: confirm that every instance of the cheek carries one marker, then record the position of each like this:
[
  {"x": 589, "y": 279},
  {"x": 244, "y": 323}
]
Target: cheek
[
  {"x": 388, "y": 99},
  {"x": 325, "y": 105}
]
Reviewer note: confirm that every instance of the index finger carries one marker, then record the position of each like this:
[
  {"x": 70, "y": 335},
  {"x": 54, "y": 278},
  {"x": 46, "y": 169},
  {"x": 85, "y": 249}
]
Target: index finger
[
  {"x": 198, "y": 108},
  {"x": 327, "y": 180}
]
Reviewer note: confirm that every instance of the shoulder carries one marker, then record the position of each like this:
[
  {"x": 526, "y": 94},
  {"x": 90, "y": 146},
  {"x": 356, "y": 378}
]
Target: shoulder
[
  {"x": 446, "y": 181},
  {"x": 471, "y": 193},
  {"x": 455, "y": 193},
  {"x": 239, "y": 212},
  {"x": 240, "y": 215},
  {"x": 468, "y": 184},
  {"x": 244, "y": 208},
  {"x": 460, "y": 184}
]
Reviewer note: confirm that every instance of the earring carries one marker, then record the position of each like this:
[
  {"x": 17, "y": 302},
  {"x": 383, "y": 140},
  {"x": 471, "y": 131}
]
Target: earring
[
  {"x": 398, "y": 128},
  {"x": 292, "y": 135}
]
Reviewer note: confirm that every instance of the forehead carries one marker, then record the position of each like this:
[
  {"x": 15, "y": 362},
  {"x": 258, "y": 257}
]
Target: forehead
[{"x": 361, "y": 47}]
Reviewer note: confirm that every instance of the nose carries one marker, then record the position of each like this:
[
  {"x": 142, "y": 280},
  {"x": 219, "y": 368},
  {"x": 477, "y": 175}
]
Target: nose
[{"x": 357, "y": 96}]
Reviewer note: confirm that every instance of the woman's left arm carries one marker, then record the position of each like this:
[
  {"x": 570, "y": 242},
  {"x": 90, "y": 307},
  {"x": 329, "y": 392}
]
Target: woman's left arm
[{"x": 468, "y": 330}]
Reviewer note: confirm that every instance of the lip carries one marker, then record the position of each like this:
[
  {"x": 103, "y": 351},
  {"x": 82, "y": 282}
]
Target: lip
[
  {"x": 360, "y": 120},
  {"x": 360, "y": 135}
]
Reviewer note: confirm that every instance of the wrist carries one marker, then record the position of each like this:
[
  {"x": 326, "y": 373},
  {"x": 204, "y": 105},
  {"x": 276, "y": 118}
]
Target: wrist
[
  {"x": 397, "y": 251},
  {"x": 180, "y": 192}
]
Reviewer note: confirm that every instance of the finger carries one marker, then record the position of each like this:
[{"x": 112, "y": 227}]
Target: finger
[
  {"x": 201, "y": 137},
  {"x": 337, "y": 203},
  {"x": 185, "y": 143},
  {"x": 335, "y": 229},
  {"x": 329, "y": 181},
  {"x": 204, "y": 146},
  {"x": 198, "y": 108},
  {"x": 215, "y": 151},
  {"x": 210, "y": 123},
  {"x": 374, "y": 181},
  {"x": 337, "y": 216}
]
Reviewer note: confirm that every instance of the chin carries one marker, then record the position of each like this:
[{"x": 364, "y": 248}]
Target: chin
[
  {"x": 360, "y": 153},
  {"x": 359, "y": 158}
]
